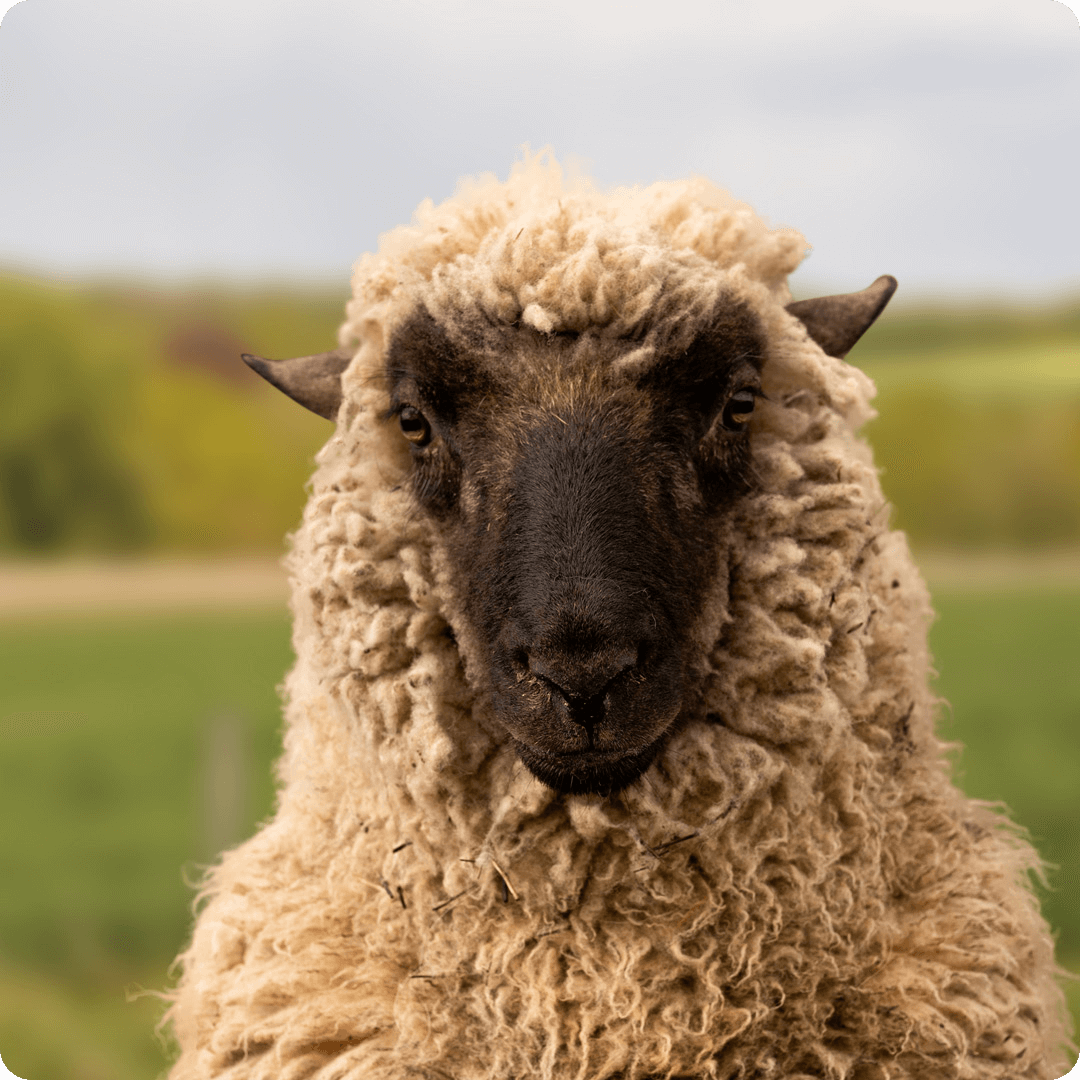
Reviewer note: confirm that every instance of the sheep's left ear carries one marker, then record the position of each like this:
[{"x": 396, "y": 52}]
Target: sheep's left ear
[
  {"x": 313, "y": 381},
  {"x": 837, "y": 322}
]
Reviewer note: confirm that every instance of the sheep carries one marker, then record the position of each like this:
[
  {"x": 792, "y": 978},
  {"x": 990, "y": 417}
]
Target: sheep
[{"x": 609, "y": 746}]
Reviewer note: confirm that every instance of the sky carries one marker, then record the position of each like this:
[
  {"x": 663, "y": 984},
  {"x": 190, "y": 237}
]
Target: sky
[{"x": 274, "y": 140}]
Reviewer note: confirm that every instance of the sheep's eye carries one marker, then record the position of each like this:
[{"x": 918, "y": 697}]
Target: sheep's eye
[
  {"x": 739, "y": 409},
  {"x": 414, "y": 426}
]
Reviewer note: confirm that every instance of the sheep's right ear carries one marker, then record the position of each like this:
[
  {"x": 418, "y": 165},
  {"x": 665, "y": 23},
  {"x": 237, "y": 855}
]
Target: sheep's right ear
[
  {"x": 313, "y": 381},
  {"x": 837, "y": 322}
]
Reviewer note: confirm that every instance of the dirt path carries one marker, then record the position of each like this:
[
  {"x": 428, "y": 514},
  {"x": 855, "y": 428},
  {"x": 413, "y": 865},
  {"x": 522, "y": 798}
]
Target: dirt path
[
  {"x": 44, "y": 588},
  {"x": 1001, "y": 571}
]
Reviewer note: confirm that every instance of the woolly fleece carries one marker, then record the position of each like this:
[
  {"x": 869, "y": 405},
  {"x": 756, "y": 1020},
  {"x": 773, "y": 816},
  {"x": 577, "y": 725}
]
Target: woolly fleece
[{"x": 795, "y": 890}]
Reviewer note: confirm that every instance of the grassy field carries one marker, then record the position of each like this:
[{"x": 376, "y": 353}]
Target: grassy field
[
  {"x": 134, "y": 747},
  {"x": 110, "y": 732}
]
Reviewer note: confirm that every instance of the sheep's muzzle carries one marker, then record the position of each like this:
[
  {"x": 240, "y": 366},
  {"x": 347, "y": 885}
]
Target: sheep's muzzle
[
  {"x": 580, "y": 589},
  {"x": 590, "y": 695}
]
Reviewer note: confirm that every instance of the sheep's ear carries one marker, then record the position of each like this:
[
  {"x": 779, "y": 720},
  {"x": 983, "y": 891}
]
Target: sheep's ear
[
  {"x": 313, "y": 381},
  {"x": 837, "y": 322}
]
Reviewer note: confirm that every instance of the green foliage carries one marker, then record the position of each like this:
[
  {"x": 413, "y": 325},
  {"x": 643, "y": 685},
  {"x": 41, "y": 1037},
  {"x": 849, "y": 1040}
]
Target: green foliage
[
  {"x": 128, "y": 420},
  {"x": 981, "y": 448},
  {"x": 975, "y": 474},
  {"x": 64, "y": 480}
]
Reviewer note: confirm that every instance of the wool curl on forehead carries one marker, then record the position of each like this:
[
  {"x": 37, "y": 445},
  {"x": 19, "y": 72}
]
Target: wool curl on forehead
[{"x": 793, "y": 890}]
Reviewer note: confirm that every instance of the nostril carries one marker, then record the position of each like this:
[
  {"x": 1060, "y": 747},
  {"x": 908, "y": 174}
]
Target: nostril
[
  {"x": 548, "y": 673},
  {"x": 582, "y": 682}
]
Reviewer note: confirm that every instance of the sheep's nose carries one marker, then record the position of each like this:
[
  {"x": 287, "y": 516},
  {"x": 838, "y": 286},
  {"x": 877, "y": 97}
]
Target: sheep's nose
[{"x": 582, "y": 682}]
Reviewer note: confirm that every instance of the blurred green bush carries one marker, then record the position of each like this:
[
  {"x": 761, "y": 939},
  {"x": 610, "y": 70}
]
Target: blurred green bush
[
  {"x": 128, "y": 422},
  {"x": 65, "y": 479},
  {"x": 976, "y": 474},
  {"x": 978, "y": 433}
]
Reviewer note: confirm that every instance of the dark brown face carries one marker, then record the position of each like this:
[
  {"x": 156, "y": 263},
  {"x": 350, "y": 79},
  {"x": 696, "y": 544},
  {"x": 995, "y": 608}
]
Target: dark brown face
[{"x": 579, "y": 500}]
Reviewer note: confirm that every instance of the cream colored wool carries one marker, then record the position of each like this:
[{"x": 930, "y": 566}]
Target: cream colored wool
[{"x": 795, "y": 892}]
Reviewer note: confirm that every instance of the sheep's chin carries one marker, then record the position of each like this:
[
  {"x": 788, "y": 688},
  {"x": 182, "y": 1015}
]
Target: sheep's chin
[{"x": 590, "y": 772}]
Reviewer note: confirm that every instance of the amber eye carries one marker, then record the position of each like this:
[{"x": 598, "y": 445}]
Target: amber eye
[
  {"x": 739, "y": 409},
  {"x": 414, "y": 427}
]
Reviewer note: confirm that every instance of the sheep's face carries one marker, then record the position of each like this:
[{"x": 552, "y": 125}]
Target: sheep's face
[{"x": 576, "y": 483}]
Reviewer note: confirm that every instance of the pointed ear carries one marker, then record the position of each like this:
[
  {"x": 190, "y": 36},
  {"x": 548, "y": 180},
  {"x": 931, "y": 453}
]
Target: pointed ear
[
  {"x": 313, "y": 381},
  {"x": 837, "y": 322}
]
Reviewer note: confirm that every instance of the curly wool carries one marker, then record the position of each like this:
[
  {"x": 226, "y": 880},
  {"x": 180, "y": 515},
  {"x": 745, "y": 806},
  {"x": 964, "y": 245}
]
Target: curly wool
[{"x": 794, "y": 890}]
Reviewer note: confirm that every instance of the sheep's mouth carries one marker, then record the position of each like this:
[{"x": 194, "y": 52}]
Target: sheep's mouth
[{"x": 587, "y": 772}]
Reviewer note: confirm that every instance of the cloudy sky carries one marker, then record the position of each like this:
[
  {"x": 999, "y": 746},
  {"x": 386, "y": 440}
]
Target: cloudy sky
[{"x": 938, "y": 140}]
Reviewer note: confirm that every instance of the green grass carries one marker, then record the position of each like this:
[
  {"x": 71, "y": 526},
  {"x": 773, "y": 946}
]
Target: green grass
[
  {"x": 107, "y": 730},
  {"x": 1008, "y": 669}
]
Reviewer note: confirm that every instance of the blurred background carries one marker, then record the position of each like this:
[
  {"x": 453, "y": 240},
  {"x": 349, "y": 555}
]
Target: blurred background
[{"x": 184, "y": 181}]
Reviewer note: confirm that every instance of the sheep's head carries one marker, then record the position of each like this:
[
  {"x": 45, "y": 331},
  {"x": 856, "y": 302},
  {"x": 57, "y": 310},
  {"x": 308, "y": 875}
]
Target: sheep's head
[{"x": 578, "y": 485}]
